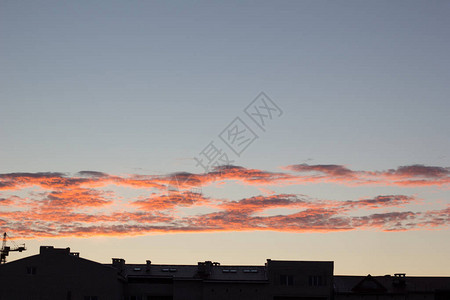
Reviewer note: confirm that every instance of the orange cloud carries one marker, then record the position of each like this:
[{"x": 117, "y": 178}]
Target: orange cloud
[
  {"x": 414, "y": 175},
  {"x": 380, "y": 201},
  {"x": 157, "y": 214},
  {"x": 76, "y": 197},
  {"x": 171, "y": 200},
  {"x": 6, "y": 201},
  {"x": 79, "y": 205}
]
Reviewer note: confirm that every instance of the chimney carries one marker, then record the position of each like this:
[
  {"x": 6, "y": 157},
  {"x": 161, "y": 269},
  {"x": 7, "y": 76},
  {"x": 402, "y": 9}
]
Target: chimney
[
  {"x": 204, "y": 268},
  {"x": 118, "y": 263},
  {"x": 148, "y": 264}
]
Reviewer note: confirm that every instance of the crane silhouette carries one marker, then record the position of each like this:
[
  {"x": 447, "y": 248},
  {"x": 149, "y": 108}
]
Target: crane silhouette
[{"x": 4, "y": 251}]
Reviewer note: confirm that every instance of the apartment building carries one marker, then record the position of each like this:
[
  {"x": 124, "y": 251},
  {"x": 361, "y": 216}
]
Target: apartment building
[{"x": 58, "y": 273}]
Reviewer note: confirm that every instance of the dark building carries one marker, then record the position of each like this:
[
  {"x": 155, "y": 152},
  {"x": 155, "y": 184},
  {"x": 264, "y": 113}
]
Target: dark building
[
  {"x": 277, "y": 280},
  {"x": 60, "y": 274},
  {"x": 397, "y": 287},
  {"x": 306, "y": 280}
]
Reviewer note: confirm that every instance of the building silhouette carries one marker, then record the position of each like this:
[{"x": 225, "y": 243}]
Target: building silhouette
[
  {"x": 397, "y": 287},
  {"x": 57, "y": 273}
]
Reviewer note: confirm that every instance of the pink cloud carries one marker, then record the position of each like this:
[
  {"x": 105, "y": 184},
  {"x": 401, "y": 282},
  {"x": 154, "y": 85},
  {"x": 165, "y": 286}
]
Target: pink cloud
[{"x": 78, "y": 205}]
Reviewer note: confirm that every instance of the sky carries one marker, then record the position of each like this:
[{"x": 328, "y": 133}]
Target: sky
[{"x": 234, "y": 131}]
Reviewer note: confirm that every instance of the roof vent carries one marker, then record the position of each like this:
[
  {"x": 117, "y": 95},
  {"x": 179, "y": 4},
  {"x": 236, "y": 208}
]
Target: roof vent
[{"x": 399, "y": 279}]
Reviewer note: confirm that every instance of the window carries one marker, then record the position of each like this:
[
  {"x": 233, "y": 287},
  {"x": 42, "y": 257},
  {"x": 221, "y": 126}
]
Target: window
[
  {"x": 287, "y": 280},
  {"x": 250, "y": 271},
  {"x": 316, "y": 280},
  {"x": 229, "y": 270},
  {"x": 31, "y": 270}
]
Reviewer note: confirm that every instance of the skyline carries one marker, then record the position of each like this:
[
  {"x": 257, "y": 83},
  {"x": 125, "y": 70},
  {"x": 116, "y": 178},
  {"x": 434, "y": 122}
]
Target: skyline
[{"x": 328, "y": 123}]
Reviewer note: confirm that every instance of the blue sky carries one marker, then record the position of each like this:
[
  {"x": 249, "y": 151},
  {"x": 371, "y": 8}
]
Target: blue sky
[{"x": 141, "y": 87}]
